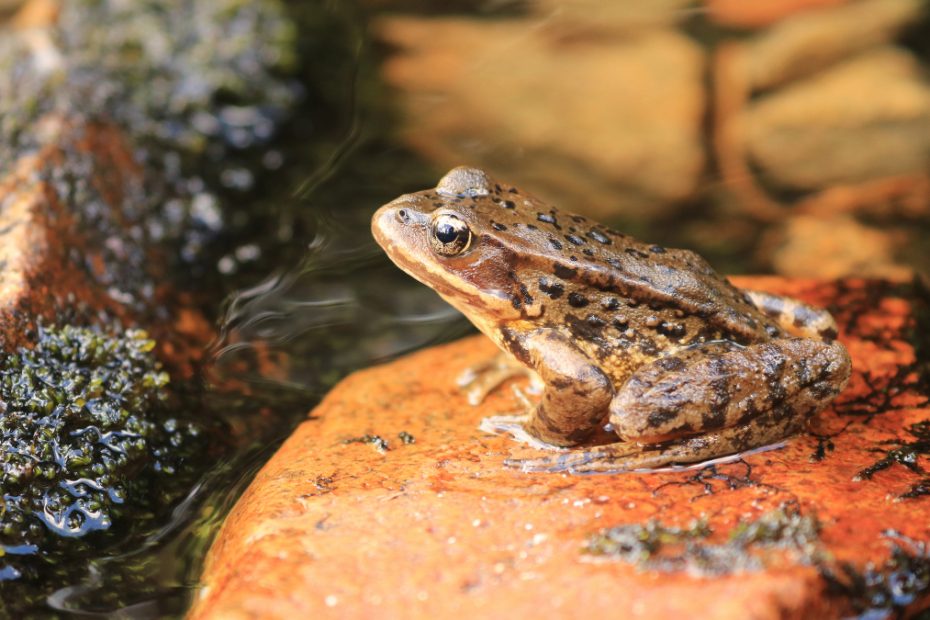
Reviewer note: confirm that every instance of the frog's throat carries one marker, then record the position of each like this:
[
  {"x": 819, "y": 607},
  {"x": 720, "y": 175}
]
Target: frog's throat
[{"x": 470, "y": 300}]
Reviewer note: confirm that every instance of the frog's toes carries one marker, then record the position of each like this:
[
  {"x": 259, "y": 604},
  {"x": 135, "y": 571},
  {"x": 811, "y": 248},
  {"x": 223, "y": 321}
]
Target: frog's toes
[{"x": 515, "y": 426}]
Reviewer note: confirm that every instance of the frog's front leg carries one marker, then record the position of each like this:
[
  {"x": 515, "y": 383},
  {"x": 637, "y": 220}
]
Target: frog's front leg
[
  {"x": 576, "y": 396},
  {"x": 720, "y": 386}
]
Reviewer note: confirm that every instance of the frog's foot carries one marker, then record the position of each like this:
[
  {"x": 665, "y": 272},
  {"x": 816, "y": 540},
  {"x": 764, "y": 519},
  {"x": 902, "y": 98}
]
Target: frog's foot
[
  {"x": 480, "y": 380},
  {"x": 515, "y": 426},
  {"x": 692, "y": 452}
]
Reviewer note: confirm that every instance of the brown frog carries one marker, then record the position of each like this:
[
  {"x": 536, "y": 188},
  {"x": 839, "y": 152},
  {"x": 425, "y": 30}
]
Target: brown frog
[{"x": 645, "y": 341}]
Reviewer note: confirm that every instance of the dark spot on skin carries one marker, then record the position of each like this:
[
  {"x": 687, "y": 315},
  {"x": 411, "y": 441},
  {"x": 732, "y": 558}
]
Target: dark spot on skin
[
  {"x": 828, "y": 334},
  {"x": 636, "y": 253},
  {"x": 648, "y": 346},
  {"x": 595, "y": 321},
  {"x": 579, "y": 219},
  {"x": 509, "y": 204},
  {"x": 497, "y": 187},
  {"x": 514, "y": 343},
  {"x": 555, "y": 243},
  {"x": 672, "y": 330},
  {"x": 585, "y": 329},
  {"x": 599, "y": 236},
  {"x": 497, "y": 226},
  {"x": 574, "y": 240},
  {"x": 588, "y": 252},
  {"x": 513, "y": 190},
  {"x": 532, "y": 227},
  {"x": 616, "y": 264},
  {"x": 553, "y": 290},
  {"x": 772, "y": 331},
  {"x": 563, "y": 272},
  {"x": 515, "y": 301},
  {"x": 545, "y": 217},
  {"x": 620, "y": 323},
  {"x": 574, "y": 259},
  {"x": 527, "y": 298},
  {"x": 670, "y": 364},
  {"x": 657, "y": 249},
  {"x": 572, "y": 229},
  {"x": 660, "y": 416},
  {"x": 576, "y": 300},
  {"x": 611, "y": 303}
]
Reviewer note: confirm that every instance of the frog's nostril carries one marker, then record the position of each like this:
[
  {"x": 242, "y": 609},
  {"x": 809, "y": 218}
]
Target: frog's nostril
[{"x": 402, "y": 216}]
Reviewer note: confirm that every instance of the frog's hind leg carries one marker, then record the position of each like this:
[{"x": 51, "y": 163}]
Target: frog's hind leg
[
  {"x": 718, "y": 385},
  {"x": 795, "y": 317},
  {"x": 631, "y": 457},
  {"x": 710, "y": 401}
]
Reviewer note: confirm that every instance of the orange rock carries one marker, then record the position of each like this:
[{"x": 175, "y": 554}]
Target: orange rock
[{"x": 338, "y": 525}]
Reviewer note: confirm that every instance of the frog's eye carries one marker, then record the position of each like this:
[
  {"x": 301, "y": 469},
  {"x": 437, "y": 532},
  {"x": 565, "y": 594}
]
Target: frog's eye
[{"x": 449, "y": 235}]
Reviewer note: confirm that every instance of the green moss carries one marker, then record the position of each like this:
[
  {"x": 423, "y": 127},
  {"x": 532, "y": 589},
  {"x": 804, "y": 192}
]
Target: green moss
[
  {"x": 86, "y": 429},
  {"x": 749, "y": 546}
]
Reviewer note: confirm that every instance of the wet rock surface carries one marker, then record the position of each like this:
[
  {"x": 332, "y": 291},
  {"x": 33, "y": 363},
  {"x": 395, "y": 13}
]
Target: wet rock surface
[{"x": 389, "y": 501}]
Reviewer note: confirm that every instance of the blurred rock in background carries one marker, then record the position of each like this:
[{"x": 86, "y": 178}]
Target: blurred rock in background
[
  {"x": 675, "y": 119},
  {"x": 579, "y": 113}
]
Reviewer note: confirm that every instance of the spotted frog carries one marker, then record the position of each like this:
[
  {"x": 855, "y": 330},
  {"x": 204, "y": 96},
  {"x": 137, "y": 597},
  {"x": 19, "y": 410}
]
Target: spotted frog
[{"x": 644, "y": 342}]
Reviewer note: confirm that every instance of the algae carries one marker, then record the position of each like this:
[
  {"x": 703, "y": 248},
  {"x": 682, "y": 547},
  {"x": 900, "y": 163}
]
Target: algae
[
  {"x": 88, "y": 435},
  {"x": 749, "y": 546}
]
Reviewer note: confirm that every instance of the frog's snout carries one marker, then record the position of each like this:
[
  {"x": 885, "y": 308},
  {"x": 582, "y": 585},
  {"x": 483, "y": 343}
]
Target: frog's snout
[{"x": 394, "y": 221}]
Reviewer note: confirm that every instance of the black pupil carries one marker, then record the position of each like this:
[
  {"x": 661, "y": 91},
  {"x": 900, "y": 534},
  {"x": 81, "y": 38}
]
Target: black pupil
[{"x": 447, "y": 233}]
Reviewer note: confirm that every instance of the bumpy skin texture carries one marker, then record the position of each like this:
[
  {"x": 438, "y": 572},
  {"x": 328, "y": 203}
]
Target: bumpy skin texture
[{"x": 682, "y": 365}]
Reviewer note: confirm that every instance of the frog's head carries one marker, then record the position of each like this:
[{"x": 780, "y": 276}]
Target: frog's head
[{"x": 444, "y": 238}]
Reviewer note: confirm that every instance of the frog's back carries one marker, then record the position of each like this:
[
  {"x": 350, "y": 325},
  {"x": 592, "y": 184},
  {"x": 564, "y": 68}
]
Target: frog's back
[{"x": 596, "y": 274}]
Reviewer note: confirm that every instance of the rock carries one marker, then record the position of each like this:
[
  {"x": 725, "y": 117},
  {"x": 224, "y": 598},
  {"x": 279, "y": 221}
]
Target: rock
[
  {"x": 813, "y": 40},
  {"x": 833, "y": 247},
  {"x": 864, "y": 119},
  {"x": 760, "y": 13},
  {"x": 601, "y": 124},
  {"x": 388, "y": 501}
]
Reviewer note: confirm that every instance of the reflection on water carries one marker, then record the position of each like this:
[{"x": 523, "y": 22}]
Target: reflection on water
[{"x": 341, "y": 308}]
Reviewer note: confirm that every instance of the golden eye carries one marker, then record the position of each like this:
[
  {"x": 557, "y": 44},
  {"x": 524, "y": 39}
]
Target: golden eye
[{"x": 449, "y": 235}]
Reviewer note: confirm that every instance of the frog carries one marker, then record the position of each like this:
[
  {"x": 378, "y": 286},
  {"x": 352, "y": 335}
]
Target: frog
[{"x": 646, "y": 357}]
